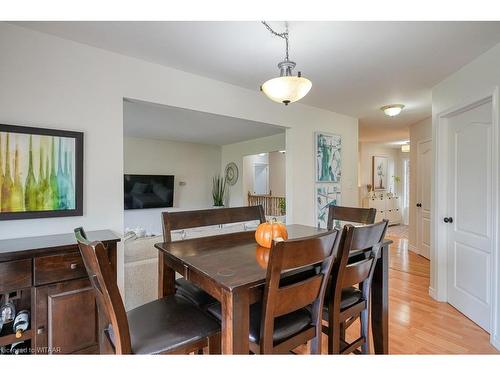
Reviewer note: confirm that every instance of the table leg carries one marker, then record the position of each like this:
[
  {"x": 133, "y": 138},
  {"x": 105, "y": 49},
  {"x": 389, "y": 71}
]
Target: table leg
[
  {"x": 380, "y": 303},
  {"x": 235, "y": 321},
  {"x": 166, "y": 277}
]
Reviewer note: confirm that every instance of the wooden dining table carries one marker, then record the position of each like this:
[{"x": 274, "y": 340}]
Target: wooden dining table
[{"x": 231, "y": 268}]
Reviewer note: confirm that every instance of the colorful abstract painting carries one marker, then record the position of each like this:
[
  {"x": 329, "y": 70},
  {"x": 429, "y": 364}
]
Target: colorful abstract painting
[
  {"x": 328, "y": 157},
  {"x": 37, "y": 173},
  {"x": 326, "y": 195}
]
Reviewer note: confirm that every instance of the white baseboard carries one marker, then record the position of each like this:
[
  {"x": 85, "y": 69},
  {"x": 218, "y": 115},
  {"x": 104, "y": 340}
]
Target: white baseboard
[
  {"x": 495, "y": 341},
  {"x": 413, "y": 248},
  {"x": 432, "y": 292}
]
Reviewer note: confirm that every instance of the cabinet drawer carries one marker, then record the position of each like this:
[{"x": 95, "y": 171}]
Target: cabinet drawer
[
  {"x": 15, "y": 275},
  {"x": 55, "y": 268}
]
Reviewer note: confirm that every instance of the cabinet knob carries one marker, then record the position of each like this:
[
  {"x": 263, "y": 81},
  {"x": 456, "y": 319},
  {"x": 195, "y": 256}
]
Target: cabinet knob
[
  {"x": 419, "y": 204},
  {"x": 73, "y": 266},
  {"x": 448, "y": 220}
]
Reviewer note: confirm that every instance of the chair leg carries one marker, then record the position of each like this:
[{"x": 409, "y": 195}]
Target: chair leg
[
  {"x": 315, "y": 343},
  {"x": 214, "y": 345},
  {"x": 364, "y": 328},
  {"x": 342, "y": 331}
]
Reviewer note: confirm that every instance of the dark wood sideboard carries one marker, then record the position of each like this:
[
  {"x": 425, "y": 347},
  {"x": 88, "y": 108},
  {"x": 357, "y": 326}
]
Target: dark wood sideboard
[{"x": 46, "y": 276}]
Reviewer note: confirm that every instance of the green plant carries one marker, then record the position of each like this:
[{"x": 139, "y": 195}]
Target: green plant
[
  {"x": 397, "y": 179},
  {"x": 218, "y": 190},
  {"x": 282, "y": 206}
]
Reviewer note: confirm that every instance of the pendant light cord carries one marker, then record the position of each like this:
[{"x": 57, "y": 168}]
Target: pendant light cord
[{"x": 283, "y": 35}]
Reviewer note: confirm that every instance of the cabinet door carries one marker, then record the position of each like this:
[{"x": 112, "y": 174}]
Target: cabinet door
[{"x": 66, "y": 318}]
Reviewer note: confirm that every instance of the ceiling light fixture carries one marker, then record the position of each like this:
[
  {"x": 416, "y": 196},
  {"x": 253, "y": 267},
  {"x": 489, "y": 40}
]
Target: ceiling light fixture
[
  {"x": 405, "y": 147},
  {"x": 392, "y": 109},
  {"x": 286, "y": 88}
]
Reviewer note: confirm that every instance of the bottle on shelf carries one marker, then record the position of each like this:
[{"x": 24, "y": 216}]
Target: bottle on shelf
[
  {"x": 21, "y": 347},
  {"x": 21, "y": 323},
  {"x": 7, "y": 311}
]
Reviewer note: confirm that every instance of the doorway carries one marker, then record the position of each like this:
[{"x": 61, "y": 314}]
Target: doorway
[{"x": 424, "y": 178}]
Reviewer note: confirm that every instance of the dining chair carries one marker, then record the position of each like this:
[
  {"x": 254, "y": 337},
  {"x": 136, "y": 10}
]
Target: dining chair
[
  {"x": 344, "y": 303},
  {"x": 182, "y": 220},
  {"x": 350, "y": 214},
  {"x": 290, "y": 313},
  {"x": 168, "y": 325}
]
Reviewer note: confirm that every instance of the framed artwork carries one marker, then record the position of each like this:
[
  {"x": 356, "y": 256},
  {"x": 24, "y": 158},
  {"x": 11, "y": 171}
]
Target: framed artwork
[
  {"x": 328, "y": 157},
  {"x": 326, "y": 195},
  {"x": 41, "y": 173},
  {"x": 379, "y": 173}
]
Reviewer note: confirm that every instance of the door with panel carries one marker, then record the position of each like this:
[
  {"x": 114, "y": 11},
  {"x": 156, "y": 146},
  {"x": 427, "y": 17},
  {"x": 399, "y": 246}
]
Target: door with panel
[
  {"x": 470, "y": 212},
  {"x": 424, "y": 176}
]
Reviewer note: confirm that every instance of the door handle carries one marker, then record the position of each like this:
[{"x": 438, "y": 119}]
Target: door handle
[
  {"x": 419, "y": 204},
  {"x": 448, "y": 220}
]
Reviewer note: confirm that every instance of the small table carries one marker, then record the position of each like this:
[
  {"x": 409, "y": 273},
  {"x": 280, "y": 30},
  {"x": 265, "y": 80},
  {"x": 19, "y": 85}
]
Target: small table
[{"x": 226, "y": 267}]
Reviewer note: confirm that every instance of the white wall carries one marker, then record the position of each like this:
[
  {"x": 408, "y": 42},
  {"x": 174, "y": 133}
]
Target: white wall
[
  {"x": 418, "y": 132},
  {"x": 277, "y": 173},
  {"x": 478, "y": 79},
  {"x": 236, "y": 153},
  {"x": 192, "y": 163},
  {"x": 366, "y": 153},
  {"x": 51, "y": 82}
]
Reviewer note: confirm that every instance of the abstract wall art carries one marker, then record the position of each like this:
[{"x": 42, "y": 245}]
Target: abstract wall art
[
  {"x": 326, "y": 195},
  {"x": 41, "y": 173},
  {"x": 328, "y": 157},
  {"x": 379, "y": 172}
]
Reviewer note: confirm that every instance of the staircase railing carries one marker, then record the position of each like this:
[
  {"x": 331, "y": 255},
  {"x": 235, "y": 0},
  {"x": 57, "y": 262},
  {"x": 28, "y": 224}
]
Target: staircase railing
[{"x": 273, "y": 205}]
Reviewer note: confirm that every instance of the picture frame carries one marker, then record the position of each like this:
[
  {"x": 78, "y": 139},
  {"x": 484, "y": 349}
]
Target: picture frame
[
  {"x": 328, "y": 157},
  {"x": 41, "y": 172},
  {"x": 325, "y": 196},
  {"x": 380, "y": 180}
]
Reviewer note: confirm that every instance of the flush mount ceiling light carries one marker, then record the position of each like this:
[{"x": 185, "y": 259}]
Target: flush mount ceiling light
[
  {"x": 405, "y": 147},
  {"x": 392, "y": 109},
  {"x": 286, "y": 88}
]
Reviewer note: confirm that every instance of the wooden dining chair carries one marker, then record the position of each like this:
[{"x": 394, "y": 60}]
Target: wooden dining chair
[
  {"x": 195, "y": 219},
  {"x": 168, "y": 325},
  {"x": 344, "y": 303},
  {"x": 350, "y": 214},
  {"x": 290, "y": 313}
]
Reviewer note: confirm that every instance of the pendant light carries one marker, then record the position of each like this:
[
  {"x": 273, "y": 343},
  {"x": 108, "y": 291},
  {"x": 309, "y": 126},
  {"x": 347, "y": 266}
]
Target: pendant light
[{"x": 286, "y": 88}]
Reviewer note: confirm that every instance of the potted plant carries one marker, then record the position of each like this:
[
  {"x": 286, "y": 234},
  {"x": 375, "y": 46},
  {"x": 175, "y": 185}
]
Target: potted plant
[{"x": 218, "y": 190}]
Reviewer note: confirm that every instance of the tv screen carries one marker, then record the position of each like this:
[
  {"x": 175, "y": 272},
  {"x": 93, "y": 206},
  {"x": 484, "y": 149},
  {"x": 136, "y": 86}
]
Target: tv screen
[{"x": 148, "y": 191}]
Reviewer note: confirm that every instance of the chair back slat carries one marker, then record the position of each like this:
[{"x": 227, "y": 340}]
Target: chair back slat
[
  {"x": 203, "y": 218},
  {"x": 296, "y": 296},
  {"x": 279, "y": 300},
  {"x": 109, "y": 301},
  {"x": 358, "y": 272},
  {"x": 307, "y": 251},
  {"x": 366, "y": 237},
  {"x": 350, "y": 214}
]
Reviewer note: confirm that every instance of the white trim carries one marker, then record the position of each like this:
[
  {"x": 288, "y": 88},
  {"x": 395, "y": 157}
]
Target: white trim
[
  {"x": 439, "y": 240},
  {"x": 432, "y": 292},
  {"x": 413, "y": 248}
]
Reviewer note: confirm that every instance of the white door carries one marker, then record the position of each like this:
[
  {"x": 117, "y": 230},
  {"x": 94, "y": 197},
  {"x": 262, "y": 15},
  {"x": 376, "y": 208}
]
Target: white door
[
  {"x": 470, "y": 208},
  {"x": 424, "y": 175}
]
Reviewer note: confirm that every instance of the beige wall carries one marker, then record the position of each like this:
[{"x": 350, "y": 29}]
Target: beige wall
[
  {"x": 418, "y": 132},
  {"x": 191, "y": 163}
]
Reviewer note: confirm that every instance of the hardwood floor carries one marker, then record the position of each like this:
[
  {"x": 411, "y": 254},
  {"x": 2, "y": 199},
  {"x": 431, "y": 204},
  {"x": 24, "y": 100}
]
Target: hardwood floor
[{"x": 417, "y": 323}]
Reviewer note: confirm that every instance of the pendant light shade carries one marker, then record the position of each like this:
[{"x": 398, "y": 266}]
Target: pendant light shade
[{"x": 286, "y": 89}]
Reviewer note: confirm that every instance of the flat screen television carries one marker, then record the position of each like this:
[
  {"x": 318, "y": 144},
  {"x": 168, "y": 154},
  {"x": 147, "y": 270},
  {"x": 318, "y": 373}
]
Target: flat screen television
[{"x": 148, "y": 191}]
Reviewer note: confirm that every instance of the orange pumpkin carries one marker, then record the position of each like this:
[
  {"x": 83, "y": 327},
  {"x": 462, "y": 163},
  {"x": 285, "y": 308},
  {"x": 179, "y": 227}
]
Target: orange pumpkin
[
  {"x": 262, "y": 256},
  {"x": 267, "y": 232}
]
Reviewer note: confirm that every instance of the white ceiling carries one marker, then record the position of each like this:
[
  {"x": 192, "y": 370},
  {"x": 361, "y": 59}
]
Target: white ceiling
[
  {"x": 355, "y": 67},
  {"x": 148, "y": 120}
]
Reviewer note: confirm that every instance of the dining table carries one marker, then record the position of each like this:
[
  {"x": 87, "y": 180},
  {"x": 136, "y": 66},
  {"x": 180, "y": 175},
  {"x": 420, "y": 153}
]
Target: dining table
[{"x": 232, "y": 269}]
